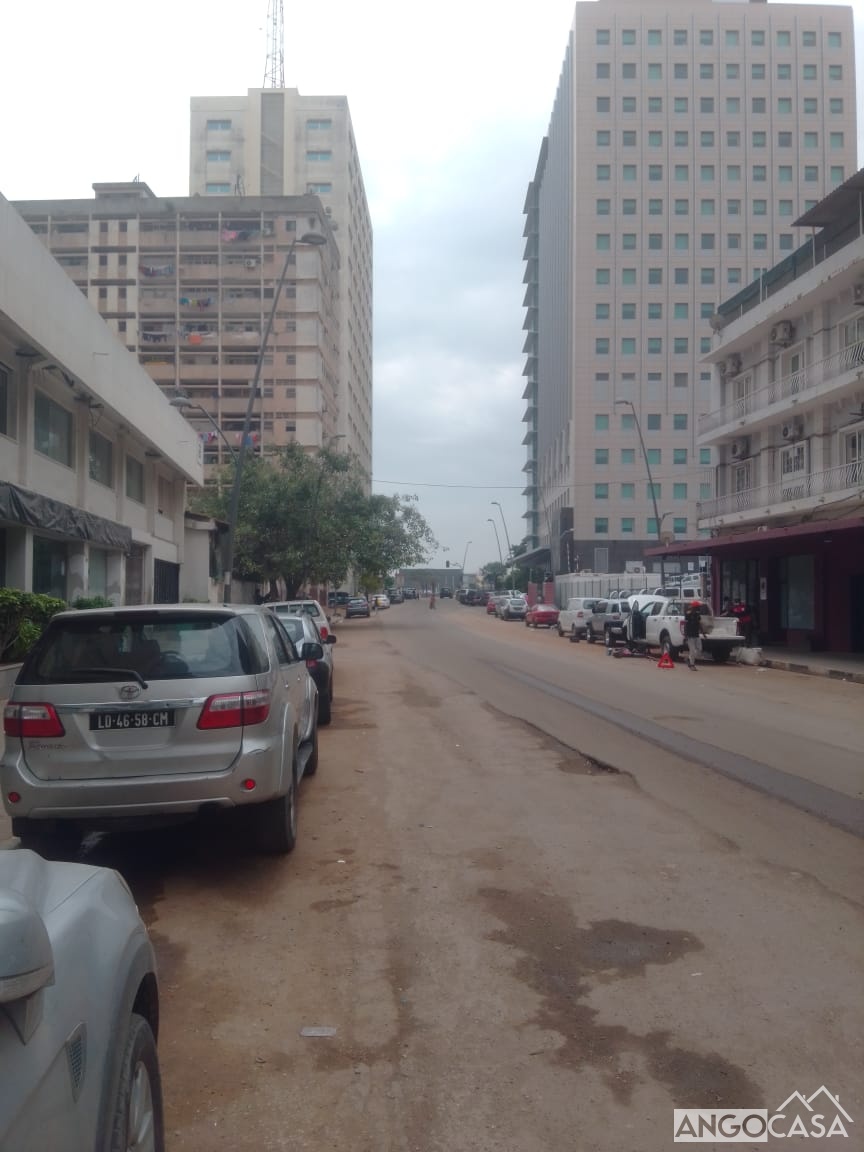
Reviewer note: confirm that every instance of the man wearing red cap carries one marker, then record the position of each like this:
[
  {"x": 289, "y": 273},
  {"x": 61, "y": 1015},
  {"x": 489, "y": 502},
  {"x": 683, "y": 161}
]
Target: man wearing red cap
[{"x": 693, "y": 633}]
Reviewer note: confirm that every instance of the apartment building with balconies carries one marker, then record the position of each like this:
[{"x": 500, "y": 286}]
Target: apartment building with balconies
[
  {"x": 277, "y": 142},
  {"x": 187, "y": 284},
  {"x": 787, "y": 428}
]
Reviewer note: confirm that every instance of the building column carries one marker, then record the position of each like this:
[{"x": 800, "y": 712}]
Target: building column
[{"x": 76, "y": 571}]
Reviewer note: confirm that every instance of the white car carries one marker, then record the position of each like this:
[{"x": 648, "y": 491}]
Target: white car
[
  {"x": 310, "y": 607},
  {"x": 79, "y": 1011}
]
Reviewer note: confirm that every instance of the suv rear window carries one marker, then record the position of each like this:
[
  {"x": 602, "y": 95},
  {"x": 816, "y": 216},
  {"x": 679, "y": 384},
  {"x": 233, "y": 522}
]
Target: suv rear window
[{"x": 155, "y": 646}]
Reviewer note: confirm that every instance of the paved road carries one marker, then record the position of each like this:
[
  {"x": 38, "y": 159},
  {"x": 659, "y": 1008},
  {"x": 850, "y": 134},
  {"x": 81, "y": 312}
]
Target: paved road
[{"x": 533, "y": 929}]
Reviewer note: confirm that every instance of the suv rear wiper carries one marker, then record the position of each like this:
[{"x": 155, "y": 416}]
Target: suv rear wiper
[{"x": 112, "y": 673}]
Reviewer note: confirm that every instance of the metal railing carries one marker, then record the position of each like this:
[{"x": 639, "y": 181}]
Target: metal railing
[
  {"x": 843, "y": 478},
  {"x": 805, "y": 379}
]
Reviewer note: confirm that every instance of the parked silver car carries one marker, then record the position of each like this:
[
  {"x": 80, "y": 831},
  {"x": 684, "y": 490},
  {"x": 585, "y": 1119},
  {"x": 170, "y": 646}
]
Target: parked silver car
[
  {"x": 303, "y": 631},
  {"x": 79, "y": 1012},
  {"x": 513, "y": 608},
  {"x": 151, "y": 714},
  {"x": 608, "y": 622}
]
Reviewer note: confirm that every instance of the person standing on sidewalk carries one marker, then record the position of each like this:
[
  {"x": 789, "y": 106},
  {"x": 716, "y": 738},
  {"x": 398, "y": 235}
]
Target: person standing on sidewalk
[{"x": 693, "y": 634}]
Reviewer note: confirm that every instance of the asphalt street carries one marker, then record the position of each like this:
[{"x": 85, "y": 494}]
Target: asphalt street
[{"x": 541, "y": 897}]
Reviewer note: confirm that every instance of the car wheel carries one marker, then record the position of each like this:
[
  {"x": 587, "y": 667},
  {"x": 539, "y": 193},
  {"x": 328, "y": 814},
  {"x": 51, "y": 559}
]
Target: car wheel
[
  {"x": 590, "y": 636},
  {"x": 574, "y": 635},
  {"x": 527, "y": 625},
  {"x": 560, "y": 631},
  {"x": 276, "y": 822},
  {"x": 47, "y": 837},
  {"x": 324, "y": 708},
  {"x": 138, "y": 1123},
  {"x": 607, "y": 636},
  {"x": 667, "y": 647}
]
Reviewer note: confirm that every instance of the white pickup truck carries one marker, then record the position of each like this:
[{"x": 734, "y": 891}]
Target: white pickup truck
[{"x": 663, "y": 627}]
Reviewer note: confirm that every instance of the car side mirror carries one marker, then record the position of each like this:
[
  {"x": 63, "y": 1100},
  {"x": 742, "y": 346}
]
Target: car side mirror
[
  {"x": 26, "y": 962},
  {"x": 312, "y": 650}
]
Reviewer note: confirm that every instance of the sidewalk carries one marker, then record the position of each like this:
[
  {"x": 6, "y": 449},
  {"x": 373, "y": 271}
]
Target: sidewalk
[{"x": 846, "y": 666}]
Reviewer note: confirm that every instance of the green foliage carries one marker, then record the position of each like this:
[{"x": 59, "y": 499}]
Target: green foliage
[
  {"x": 92, "y": 602},
  {"x": 305, "y": 518},
  {"x": 23, "y": 616}
]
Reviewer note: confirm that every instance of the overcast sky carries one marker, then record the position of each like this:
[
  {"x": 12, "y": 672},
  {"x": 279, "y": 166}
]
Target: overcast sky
[{"x": 450, "y": 102}]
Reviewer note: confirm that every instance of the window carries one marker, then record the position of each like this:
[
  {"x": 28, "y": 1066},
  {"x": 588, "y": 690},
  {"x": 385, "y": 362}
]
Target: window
[
  {"x": 679, "y": 491},
  {"x": 682, "y": 173},
  {"x": 835, "y": 72},
  {"x": 604, "y": 207},
  {"x": 101, "y": 460},
  {"x": 628, "y": 241},
  {"x": 835, "y": 105},
  {"x": 655, "y": 456},
  {"x": 733, "y": 276},
  {"x": 628, "y": 71},
  {"x": 757, "y": 38},
  {"x": 706, "y": 173},
  {"x": 733, "y": 139},
  {"x": 655, "y": 103},
  {"x": 655, "y": 139},
  {"x": 602, "y": 71},
  {"x": 811, "y": 173},
  {"x": 681, "y": 104},
  {"x": 733, "y": 240},
  {"x": 679, "y": 455},
  {"x": 655, "y": 345},
  {"x": 757, "y": 104},
  {"x": 628, "y": 346},
  {"x": 218, "y": 125},
  {"x": 679, "y": 525},
  {"x": 602, "y": 241},
  {"x": 628, "y": 172},
  {"x": 835, "y": 39},
  {"x": 215, "y": 157},
  {"x": 601, "y": 491},
  {"x": 837, "y": 174},
  {"x": 706, "y": 139},
  {"x": 601, "y": 276},
  {"x": 760, "y": 207},
  {"x": 784, "y": 105},
  {"x": 704, "y": 491},
  {"x": 601, "y": 525},
  {"x": 705, "y": 456},
  {"x": 679, "y": 72},
  {"x": 654, "y": 37},
  {"x": 628, "y": 104},
  {"x": 601, "y": 455},
  {"x": 604, "y": 172},
  {"x": 733, "y": 71},
  {"x": 655, "y": 207},
  {"x": 706, "y": 275},
  {"x": 784, "y": 139},
  {"x": 706, "y": 310},
  {"x": 759, "y": 139},
  {"x": 811, "y": 105},
  {"x": 706, "y": 71},
  {"x": 681, "y": 346},
  {"x": 655, "y": 312},
  {"x": 808, "y": 72},
  {"x": 628, "y": 36},
  {"x": 808, "y": 39},
  {"x": 318, "y": 125},
  {"x": 733, "y": 105},
  {"x": 757, "y": 72},
  {"x": 811, "y": 139},
  {"x": 601, "y": 346},
  {"x": 628, "y": 275},
  {"x": 655, "y": 276},
  {"x": 655, "y": 241},
  {"x": 601, "y": 311},
  {"x": 706, "y": 105},
  {"x": 786, "y": 241},
  {"x": 628, "y": 420},
  {"x": 628, "y": 524},
  {"x": 604, "y": 104},
  {"x": 679, "y": 421},
  {"x": 760, "y": 242},
  {"x": 733, "y": 207},
  {"x": 53, "y": 432},
  {"x": 784, "y": 208},
  {"x": 628, "y": 456},
  {"x": 682, "y": 207},
  {"x": 706, "y": 37},
  {"x": 784, "y": 174},
  {"x": 601, "y": 422},
  {"x": 732, "y": 38},
  {"x": 682, "y": 139},
  {"x": 706, "y": 241},
  {"x": 655, "y": 71},
  {"x": 682, "y": 241},
  {"x": 655, "y": 172},
  {"x": 602, "y": 36},
  {"x": 679, "y": 37},
  {"x": 217, "y": 189},
  {"x": 134, "y": 479},
  {"x": 836, "y": 140},
  {"x": 628, "y": 311},
  {"x": 784, "y": 39},
  {"x": 682, "y": 276},
  {"x": 681, "y": 311},
  {"x": 604, "y": 139},
  {"x": 653, "y": 421},
  {"x": 784, "y": 71}
]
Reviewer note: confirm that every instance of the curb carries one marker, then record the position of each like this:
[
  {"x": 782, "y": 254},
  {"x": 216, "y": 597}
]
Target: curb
[{"x": 849, "y": 676}]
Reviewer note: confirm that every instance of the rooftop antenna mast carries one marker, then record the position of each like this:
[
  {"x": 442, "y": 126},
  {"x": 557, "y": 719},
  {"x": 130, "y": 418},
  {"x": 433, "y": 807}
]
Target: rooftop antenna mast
[{"x": 274, "y": 69}]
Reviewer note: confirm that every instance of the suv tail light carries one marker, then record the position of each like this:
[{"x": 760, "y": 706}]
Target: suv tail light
[
  {"x": 235, "y": 710},
  {"x": 29, "y": 721},
  {"x": 324, "y": 630}
]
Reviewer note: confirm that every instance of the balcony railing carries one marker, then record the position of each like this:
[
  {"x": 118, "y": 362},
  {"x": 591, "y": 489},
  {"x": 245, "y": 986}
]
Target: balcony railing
[
  {"x": 790, "y": 490},
  {"x": 780, "y": 391}
]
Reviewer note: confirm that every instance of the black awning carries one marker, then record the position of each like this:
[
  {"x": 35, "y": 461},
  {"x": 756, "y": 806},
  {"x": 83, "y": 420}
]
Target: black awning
[
  {"x": 532, "y": 559},
  {"x": 18, "y": 506}
]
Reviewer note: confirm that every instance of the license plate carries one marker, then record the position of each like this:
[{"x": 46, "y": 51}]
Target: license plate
[{"x": 119, "y": 721}]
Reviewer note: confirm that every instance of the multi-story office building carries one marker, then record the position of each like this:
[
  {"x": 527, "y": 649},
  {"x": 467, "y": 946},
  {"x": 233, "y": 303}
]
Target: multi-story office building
[
  {"x": 187, "y": 284},
  {"x": 685, "y": 139},
  {"x": 786, "y": 423},
  {"x": 275, "y": 142}
]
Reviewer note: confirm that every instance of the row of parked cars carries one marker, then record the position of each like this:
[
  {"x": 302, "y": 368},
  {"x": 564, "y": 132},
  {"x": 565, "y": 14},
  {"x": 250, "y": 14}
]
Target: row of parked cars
[{"x": 132, "y": 717}]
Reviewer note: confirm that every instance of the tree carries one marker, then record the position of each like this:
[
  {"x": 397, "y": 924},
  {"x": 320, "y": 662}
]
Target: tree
[
  {"x": 305, "y": 518},
  {"x": 495, "y": 573}
]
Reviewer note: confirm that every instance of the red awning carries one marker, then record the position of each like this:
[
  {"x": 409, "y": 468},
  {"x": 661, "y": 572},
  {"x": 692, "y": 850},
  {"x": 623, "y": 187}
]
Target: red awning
[{"x": 710, "y": 546}]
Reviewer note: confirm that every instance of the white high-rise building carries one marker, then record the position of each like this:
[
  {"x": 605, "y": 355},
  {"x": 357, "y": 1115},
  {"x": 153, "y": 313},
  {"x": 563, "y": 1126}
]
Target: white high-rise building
[
  {"x": 685, "y": 139},
  {"x": 275, "y": 142}
]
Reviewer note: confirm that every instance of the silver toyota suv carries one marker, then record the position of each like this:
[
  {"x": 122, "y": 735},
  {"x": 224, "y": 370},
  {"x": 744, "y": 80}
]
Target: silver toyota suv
[{"x": 146, "y": 715}]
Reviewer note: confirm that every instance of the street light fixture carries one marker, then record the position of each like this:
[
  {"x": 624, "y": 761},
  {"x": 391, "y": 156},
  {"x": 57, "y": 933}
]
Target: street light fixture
[
  {"x": 489, "y": 520},
  {"x": 497, "y": 504},
  {"x": 657, "y": 520},
  {"x": 314, "y": 238},
  {"x": 184, "y": 404}
]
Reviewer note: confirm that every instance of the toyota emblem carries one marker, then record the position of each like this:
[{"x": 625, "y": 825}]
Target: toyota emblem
[{"x": 129, "y": 692}]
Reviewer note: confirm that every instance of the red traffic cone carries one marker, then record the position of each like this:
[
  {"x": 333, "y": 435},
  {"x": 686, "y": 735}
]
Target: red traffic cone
[{"x": 665, "y": 661}]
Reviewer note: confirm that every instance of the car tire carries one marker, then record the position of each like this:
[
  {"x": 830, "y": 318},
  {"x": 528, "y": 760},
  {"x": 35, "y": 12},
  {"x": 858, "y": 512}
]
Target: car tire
[
  {"x": 668, "y": 648},
  {"x": 607, "y": 638},
  {"x": 527, "y": 625},
  {"x": 276, "y": 822},
  {"x": 138, "y": 1119},
  {"x": 574, "y": 635},
  {"x": 325, "y": 708},
  {"x": 560, "y": 631},
  {"x": 47, "y": 837},
  {"x": 590, "y": 637}
]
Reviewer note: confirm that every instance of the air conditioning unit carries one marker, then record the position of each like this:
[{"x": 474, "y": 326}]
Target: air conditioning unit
[
  {"x": 858, "y": 293},
  {"x": 792, "y": 430},
  {"x": 782, "y": 333},
  {"x": 740, "y": 448},
  {"x": 250, "y": 263},
  {"x": 733, "y": 365}
]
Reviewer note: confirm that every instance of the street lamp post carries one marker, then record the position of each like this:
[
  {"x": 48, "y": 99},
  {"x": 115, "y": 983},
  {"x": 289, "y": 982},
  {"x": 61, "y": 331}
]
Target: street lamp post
[
  {"x": 560, "y": 538},
  {"x": 234, "y": 509},
  {"x": 629, "y": 404},
  {"x": 464, "y": 560},
  {"x": 184, "y": 404},
  {"x": 497, "y": 504},
  {"x": 489, "y": 520}
]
